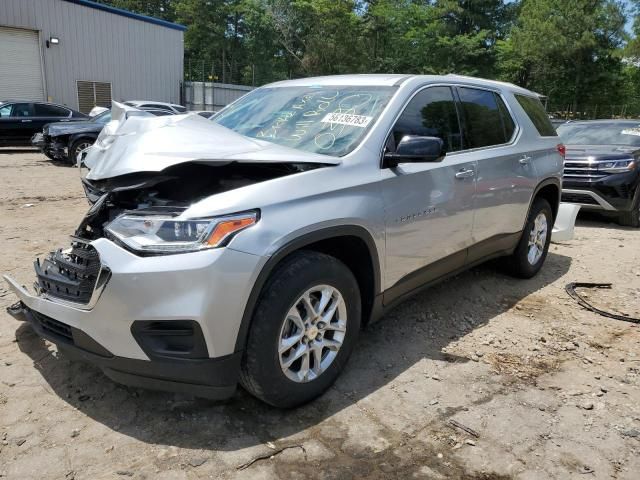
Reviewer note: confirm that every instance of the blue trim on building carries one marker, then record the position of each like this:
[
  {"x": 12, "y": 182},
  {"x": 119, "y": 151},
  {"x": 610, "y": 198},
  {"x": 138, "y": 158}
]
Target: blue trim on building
[{"x": 126, "y": 13}]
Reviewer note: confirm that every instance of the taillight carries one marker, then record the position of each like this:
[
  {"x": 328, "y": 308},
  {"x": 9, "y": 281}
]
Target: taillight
[{"x": 562, "y": 150}]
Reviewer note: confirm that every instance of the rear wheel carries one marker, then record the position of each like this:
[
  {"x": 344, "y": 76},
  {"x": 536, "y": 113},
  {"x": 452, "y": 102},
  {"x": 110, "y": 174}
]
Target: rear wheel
[
  {"x": 76, "y": 148},
  {"x": 531, "y": 252},
  {"x": 303, "y": 331}
]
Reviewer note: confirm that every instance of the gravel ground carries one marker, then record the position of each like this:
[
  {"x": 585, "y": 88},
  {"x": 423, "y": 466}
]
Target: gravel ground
[{"x": 549, "y": 389}]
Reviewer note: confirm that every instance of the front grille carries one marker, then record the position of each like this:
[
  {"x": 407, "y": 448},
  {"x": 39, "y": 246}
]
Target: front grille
[
  {"x": 69, "y": 274},
  {"x": 579, "y": 198},
  {"x": 53, "y": 328},
  {"x": 582, "y": 169}
]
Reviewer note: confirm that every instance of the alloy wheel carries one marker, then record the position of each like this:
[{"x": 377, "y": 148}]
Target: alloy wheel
[
  {"x": 537, "y": 238},
  {"x": 312, "y": 333}
]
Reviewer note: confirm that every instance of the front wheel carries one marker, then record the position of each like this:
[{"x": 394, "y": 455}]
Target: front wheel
[
  {"x": 303, "y": 331},
  {"x": 531, "y": 252},
  {"x": 76, "y": 148},
  {"x": 631, "y": 218}
]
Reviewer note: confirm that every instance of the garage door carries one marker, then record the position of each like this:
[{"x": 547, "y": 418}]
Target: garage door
[{"x": 20, "y": 68}]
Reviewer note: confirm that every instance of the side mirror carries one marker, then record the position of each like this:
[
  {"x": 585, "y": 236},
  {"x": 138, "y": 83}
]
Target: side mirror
[{"x": 416, "y": 149}]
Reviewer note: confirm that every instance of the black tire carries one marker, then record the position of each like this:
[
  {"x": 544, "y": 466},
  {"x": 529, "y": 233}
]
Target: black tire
[
  {"x": 518, "y": 263},
  {"x": 630, "y": 219},
  {"x": 76, "y": 147},
  {"x": 261, "y": 373}
]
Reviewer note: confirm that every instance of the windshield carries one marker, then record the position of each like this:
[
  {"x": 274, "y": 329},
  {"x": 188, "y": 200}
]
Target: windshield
[
  {"x": 103, "y": 117},
  {"x": 327, "y": 120},
  {"x": 600, "y": 134}
]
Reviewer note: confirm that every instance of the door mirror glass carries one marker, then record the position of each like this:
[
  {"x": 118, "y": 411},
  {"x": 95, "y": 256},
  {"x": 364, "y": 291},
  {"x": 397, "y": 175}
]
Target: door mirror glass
[{"x": 416, "y": 149}]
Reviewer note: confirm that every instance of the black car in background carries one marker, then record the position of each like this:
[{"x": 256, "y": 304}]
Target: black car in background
[
  {"x": 19, "y": 120},
  {"x": 602, "y": 167},
  {"x": 65, "y": 141}
]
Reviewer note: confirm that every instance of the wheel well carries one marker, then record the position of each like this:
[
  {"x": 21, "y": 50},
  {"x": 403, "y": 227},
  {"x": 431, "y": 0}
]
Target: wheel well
[
  {"x": 81, "y": 136},
  {"x": 354, "y": 253},
  {"x": 551, "y": 194}
]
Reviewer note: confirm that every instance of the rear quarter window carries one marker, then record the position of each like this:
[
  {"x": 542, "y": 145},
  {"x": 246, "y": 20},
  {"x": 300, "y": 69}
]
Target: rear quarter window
[{"x": 536, "y": 113}]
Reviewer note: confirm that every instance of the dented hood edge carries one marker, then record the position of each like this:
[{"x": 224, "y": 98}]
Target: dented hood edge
[{"x": 138, "y": 143}]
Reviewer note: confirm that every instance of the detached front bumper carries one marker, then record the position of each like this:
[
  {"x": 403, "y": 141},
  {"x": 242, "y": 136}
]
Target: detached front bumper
[
  {"x": 37, "y": 140},
  {"x": 49, "y": 146},
  {"x": 164, "y": 322}
]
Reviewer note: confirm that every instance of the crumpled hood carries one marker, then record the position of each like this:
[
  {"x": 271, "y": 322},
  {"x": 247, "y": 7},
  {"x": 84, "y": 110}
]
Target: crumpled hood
[
  {"x": 131, "y": 143},
  {"x": 68, "y": 128}
]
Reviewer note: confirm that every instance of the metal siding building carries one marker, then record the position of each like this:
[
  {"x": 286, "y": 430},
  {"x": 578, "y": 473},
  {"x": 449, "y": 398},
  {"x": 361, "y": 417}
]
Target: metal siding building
[{"x": 140, "y": 57}]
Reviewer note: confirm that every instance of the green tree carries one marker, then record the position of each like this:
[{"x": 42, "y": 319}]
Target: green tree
[
  {"x": 318, "y": 36},
  {"x": 439, "y": 36},
  {"x": 567, "y": 50}
]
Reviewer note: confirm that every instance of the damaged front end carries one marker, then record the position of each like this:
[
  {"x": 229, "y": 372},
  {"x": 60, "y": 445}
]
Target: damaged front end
[
  {"x": 144, "y": 174},
  {"x": 168, "y": 193},
  {"x": 144, "y": 291}
]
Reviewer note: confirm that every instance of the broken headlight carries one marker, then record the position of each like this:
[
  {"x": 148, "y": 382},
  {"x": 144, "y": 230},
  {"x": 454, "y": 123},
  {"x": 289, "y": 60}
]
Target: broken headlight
[{"x": 166, "y": 234}]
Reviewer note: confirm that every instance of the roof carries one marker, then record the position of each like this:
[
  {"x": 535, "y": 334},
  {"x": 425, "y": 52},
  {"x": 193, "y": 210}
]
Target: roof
[
  {"x": 126, "y": 13},
  {"x": 378, "y": 79},
  {"x": 395, "y": 79}
]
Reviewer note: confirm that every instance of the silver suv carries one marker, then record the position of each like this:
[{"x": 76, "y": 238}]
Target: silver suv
[{"x": 253, "y": 247}]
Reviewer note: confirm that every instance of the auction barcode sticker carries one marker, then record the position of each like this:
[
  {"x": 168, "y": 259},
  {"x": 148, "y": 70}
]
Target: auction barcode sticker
[{"x": 347, "y": 119}]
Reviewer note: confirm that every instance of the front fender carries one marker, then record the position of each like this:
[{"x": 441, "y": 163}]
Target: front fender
[{"x": 297, "y": 241}]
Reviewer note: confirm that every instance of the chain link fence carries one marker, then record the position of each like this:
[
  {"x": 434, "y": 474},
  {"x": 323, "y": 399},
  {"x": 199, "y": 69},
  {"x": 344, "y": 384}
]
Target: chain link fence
[
  {"x": 228, "y": 72},
  {"x": 211, "y": 96}
]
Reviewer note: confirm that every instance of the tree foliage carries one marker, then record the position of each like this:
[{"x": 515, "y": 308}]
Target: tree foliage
[{"x": 576, "y": 52}]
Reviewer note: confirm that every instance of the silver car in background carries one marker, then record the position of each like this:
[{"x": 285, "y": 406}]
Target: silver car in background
[{"x": 253, "y": 247}]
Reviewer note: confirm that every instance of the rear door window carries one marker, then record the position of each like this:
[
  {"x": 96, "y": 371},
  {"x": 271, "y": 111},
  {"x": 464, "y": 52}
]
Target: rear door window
[
  {"x": 482, "y": 118},
  {"x": 536, "y": 113},
  {"x": 431, "y": 113},
  {"x": 43, "y": 110}
]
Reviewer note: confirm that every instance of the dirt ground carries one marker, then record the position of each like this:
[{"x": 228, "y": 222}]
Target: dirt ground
[{"x": 549, "y": 389}]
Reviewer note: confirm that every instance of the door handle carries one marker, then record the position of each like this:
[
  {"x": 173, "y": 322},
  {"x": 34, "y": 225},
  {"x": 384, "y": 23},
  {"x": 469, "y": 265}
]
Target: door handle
[
  {"x": 25, "y": 121},
  {"x": 465, "y": 173},
  {"x": 525, "y": 160}
]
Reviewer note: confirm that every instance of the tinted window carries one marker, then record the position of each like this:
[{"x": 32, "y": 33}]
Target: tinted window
[
  {"x": 103, "y": 117},
  {"x": 483, "y": 121},
  {"x": 5, "y": 110},
  {"x": 507, "y": 121},
  {"x": 21, "y": 110},
  {"x": 161, "y": 113},
  {"x": 535, "y": 111},
  {"x": 431, "y": 113},
  {"x": 180, "y": 109},
  {"x": 43, "y": 110}
]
